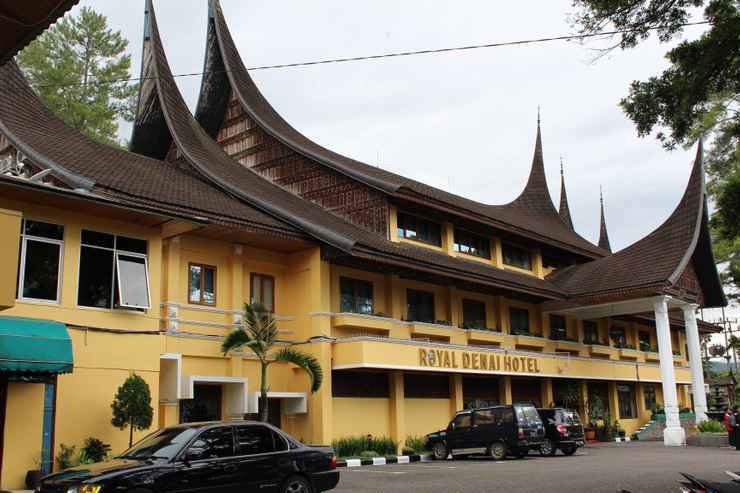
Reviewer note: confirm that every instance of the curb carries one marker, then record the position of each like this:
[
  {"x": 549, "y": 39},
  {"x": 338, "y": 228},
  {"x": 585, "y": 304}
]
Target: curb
[
  {"x": 622, "y": 440},
  {"x": 379, "y": 461}
]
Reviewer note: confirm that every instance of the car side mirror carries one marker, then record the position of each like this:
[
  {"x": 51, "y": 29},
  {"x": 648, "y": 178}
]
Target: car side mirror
[{"x": 452, "y": 425}]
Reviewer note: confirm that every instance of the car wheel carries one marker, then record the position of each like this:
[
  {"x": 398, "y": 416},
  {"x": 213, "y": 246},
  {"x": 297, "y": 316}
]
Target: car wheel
[
  {"x": 570, "y": 450},
  {"x": 547, "y": 448},
  {"x": 497, "y": 451},
  {"x": 439, "y": 451},
  {"x": 297, "y": 484}
]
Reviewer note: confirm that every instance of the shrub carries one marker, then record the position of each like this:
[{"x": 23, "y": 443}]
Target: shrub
[
  {"x": 94, "y": 451},
  {"x": 67, "y": 457},
  {"x": 415, "y": 445},
  {"x": 368, "y": 454},
  {"x": 355, "y": 446},
  {"x": 711, "y": 426}
]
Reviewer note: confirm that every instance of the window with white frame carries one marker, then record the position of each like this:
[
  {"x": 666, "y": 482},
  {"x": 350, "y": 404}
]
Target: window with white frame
[
  {"x": 113, "y": 272},
  {"x": 40, "y": 272}
]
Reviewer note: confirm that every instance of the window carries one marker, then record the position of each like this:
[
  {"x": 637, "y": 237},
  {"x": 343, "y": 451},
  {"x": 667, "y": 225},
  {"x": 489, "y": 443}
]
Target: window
[
  {"x": 517, "y": 257},
  {"x": 463, "y": 421},
  {"x": 426, "y": 386},
  {"x": 263, "y": 291},
  {"x": 503, "y": 415},
  {"x": 256, "y": 439},
  {"x": 644, "y": 338},
  {"x": 650, "y": 400},
  {"x": 212, "y": 444},
  {"x": 415, "y": 228},
  {"x": 627, "y": 406},
  {"x": 39, "y": 275},
  {"x": 618, "y": 335},
  {"x": 474, "y": 314},
  {"x": 356, "y": 295},
  {"x": 202, "y": 284},
  {"x": 558, "y": 328},
  {"x": 113, "y": 271},
  {"x": 590, "y": 332},
  {"x": 472, "y": 244},
  {"x": 420, "y": 305},
  {"x": 359, "y": 384},
  {"x": 484, "y": 417},
  {"x": 519, "y": 320}
]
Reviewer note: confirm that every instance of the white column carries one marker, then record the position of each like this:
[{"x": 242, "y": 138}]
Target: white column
[
  {"x": 697, "y": 372},
  {"x": 674, "y": 434}
]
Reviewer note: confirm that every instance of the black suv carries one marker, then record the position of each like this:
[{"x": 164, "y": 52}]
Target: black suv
[
  {"x": 233, "y": 456},
  {"x": 563, "y": 430},
  {"x": 496, "y": 431}
]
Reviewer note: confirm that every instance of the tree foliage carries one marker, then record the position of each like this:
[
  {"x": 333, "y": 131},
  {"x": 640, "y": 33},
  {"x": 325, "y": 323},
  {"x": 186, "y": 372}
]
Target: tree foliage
[
  {"x": 258, "y": 333},
  {"x": 132, "y": 406},
  {"x": 67, "y": 65},
  {"x": 698, "y": 95}
]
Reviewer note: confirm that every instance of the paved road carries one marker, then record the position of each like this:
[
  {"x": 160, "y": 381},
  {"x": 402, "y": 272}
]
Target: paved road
[{"x": 635, "y": 467}]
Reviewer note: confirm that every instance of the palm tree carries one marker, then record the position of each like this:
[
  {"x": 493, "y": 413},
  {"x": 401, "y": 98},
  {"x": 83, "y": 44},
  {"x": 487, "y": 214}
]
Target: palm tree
[{"x": 258, "y": 333}]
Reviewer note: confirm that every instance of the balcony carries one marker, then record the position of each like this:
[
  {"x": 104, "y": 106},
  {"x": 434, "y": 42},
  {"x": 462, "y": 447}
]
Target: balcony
[
  {"x": 433, "y": 331},
  {"x": 597, "y": 348},
  {"x": 483, "y": 335},
  {"x": 652, "y": 356},
  {"x": 527, "y": 340},
  {"x": 570, "y": 345},
  {"x": 362, "y": 322}
]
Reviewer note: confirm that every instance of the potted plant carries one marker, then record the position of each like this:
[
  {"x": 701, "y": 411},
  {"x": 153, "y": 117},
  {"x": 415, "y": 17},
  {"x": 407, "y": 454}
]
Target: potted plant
[{"x": 33, "y": 477}]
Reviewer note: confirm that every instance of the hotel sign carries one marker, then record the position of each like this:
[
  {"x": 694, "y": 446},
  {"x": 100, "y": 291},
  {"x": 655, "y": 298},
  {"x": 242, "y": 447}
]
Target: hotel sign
[{"x": 450, "y": 358}]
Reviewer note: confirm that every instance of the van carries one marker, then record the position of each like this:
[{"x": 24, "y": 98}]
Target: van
[{"x": 496, "y": 431}]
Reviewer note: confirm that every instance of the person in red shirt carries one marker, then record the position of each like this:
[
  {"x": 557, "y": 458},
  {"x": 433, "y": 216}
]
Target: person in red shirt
[{"x": 729, "y": 421}]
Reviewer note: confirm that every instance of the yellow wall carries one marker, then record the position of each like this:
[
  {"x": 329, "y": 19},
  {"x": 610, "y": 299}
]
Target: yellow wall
[
  {"x": 9, "y": 251},
  {"x": 375, "y": 418},
  {"x": 23, "y": 426},
  {"x": 426, "y": 415}
]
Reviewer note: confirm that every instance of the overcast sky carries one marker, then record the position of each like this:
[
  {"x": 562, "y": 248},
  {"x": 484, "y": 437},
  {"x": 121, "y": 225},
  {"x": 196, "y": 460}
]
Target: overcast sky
[{"x": 463, "y": 121}]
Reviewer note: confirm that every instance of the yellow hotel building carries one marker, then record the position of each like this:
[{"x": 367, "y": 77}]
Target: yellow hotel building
[{"x": 416, "y": 302}]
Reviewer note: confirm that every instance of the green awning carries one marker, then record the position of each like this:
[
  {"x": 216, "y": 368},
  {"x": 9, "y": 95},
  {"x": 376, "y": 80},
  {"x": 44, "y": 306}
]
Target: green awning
[{"x": 30, "y": 345}]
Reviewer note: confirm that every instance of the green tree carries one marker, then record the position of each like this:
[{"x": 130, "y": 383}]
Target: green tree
[
  {"x": 258, "y": 333},
  {"x": 132, "y": 406},
  {"x": 697, "y": 95},
  {"x": 71, "y": 65}
]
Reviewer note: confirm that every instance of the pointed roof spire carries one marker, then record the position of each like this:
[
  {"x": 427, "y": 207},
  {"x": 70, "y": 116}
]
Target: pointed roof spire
[
  {"x": 564, "y": 208},
  {"x": 603, "y": 233},
  {"x": 535, "y": 197}
]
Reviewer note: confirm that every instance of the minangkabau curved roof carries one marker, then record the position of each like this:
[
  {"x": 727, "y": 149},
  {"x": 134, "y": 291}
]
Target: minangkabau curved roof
[
  {"x": 207, "y": 159},
  {"x": 656, "y": 263},
  {"x": 108, "y": 171},
  {"x": 532, "y": 214}
]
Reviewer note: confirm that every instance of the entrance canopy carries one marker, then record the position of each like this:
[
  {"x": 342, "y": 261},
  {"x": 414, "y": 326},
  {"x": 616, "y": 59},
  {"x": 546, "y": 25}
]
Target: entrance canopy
[{"x": 34, "y": 346}]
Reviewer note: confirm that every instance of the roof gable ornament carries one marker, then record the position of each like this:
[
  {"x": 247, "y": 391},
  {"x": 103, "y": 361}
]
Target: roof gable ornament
[
  {"x": 564, "y": 208},
  {"x": 603, "y": 233}
]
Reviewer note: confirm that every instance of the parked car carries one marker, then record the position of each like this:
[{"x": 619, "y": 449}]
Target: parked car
[
  {"x": 563, "y": 431},
  {"x": 207, "y": 457},
  {"x": 497, "y": 431}
]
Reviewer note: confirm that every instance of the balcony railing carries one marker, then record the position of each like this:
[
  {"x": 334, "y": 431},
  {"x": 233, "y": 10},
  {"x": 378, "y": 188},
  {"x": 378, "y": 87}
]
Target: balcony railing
[{"x": 478, "y": 326}]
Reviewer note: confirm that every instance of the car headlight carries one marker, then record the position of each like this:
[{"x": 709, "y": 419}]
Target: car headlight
[{"x": 85, "y": 488}]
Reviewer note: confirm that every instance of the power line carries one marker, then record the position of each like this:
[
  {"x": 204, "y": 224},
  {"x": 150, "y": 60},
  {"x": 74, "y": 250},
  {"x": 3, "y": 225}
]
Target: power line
[{"x": 387, "y": 55}]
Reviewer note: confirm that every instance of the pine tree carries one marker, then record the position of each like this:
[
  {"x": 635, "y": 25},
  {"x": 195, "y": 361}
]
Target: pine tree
[
  {"x": 71, "y": 65},
  {"x": 132, "y": 406}
]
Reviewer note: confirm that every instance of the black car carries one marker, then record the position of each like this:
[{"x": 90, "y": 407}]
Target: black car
[
  {"x": 496, "y": 431},
  {"x": 563, "y": 430},
  {"x": 206, "y": 457}
]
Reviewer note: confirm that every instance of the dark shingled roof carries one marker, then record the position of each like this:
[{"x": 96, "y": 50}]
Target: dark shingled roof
[
  {"x": 206, "y": 158},
  {"x": 655, "y": 263},
  {"x": 531, "y": 215},
  {"x": 22, "y": 21},
  {"x": 32, "y": 129},
  {"x": 564, "y": 208}
]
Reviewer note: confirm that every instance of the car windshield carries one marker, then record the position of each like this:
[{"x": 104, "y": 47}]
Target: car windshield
[
  {"x": 528, "y": 415},
  {"x": 164, "y": 444},
  {"x": 568, "y": 418}
]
